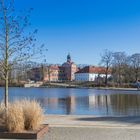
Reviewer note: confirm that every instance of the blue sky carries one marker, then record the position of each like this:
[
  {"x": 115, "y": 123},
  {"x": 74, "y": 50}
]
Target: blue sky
[{"x": 85, "y": 28}]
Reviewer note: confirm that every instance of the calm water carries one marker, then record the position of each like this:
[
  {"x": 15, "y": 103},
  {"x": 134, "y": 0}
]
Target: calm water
[{"x": 81, "y": 101}]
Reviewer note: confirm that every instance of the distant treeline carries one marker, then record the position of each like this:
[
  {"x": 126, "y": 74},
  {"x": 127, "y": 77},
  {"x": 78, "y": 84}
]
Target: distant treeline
[{"x": 124, "y": 68}]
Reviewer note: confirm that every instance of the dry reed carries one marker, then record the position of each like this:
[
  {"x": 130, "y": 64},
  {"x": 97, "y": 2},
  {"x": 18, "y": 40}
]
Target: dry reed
[
  {"x": 14, "y": 118},
  {"x": 22, "y": 115},
  {"x": 2, "y": 110},
  {"x": 33, "y": 114}
]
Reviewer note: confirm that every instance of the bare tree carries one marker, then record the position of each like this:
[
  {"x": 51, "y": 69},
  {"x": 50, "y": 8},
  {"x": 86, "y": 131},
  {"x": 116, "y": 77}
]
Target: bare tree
[
  {"x": 106, "y": 61},
  {"x": 16, "y": 44},
  {"x": 49, "y": 72},
  {"x": 119, "y": 62},
  {"x": 135, "y": 63}
]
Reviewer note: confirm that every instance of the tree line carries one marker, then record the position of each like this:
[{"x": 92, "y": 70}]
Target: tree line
[{"x": 124, "y": 68}]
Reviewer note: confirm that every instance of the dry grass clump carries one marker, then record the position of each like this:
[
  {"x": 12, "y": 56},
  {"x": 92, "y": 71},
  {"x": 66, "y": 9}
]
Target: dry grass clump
[
  {"x": 22, "y": 115},
  {"x": 2, "y": 110},
  {"x": 33, "y": 114},
  {"x": 14, "y": 119}
]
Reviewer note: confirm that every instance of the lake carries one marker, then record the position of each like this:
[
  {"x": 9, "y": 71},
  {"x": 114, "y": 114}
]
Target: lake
[{"x": 81, "y": 101}]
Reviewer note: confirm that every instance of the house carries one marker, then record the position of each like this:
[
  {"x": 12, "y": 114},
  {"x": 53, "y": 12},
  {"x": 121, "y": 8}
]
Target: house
[
  {"x": 67, "y": 70},
  {"x": 90, "y": 73},
  {"x": 44, "y": 73},
  {"x": 35, "y": 74},
  {"x": 51, "y": 73}
]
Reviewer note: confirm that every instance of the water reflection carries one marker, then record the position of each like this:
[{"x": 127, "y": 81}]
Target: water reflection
[
  {"x": 125, "y": 104},
  {"x": 81, "y": 101},
  {"x": 107, "y": 105}
]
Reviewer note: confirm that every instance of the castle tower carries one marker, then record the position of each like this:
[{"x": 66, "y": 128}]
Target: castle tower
[
  {"x": 68, "y": 58},
  {"x": 68, "y": 69}
]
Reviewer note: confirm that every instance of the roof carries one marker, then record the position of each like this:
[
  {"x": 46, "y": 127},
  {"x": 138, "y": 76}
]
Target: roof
[
  {"x": 54, "y": 67},
  {"x": 92, "y": 69}
]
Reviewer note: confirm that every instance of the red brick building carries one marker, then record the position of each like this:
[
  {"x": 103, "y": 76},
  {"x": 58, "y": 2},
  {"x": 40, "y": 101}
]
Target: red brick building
[
  {"x": 51, "y": 73},
  {"x": 67, "y": 70},
  {"x": 54, "y": 72}
]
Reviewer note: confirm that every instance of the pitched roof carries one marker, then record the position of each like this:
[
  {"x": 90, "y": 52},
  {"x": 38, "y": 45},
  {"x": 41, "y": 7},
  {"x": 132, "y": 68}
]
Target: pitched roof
[
  {"x": 92, "y": 69},
  {"x": 54, "y": 67}
]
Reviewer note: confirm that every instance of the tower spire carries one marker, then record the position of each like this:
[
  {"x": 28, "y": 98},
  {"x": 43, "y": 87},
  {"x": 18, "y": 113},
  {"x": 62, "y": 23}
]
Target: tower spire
[{"x": 68, "y": 58}]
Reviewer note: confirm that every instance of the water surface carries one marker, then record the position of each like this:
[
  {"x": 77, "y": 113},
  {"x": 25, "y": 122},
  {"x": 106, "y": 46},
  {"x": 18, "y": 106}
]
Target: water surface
[{"x": 81, "y": 101}]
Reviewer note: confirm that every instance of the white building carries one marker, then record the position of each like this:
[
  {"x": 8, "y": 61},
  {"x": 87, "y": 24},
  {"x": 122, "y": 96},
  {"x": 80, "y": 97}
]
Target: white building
[
  {"x": 85, "y": 76},
  {"x": 89, "y": 73}
]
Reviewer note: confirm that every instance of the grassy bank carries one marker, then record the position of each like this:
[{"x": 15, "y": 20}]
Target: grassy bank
[{"x": 87, "y": 85}]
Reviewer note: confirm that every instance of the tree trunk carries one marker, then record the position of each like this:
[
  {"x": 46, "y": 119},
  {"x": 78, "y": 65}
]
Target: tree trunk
[
  {"x": 6, "y": 71},
  {"x": 6, "y": 91},
  {"x": 106, "y": 76},
  {"x": 6, "y": 75},
  {"x": 49, "y": 75},
  {"x": 6, "y": 68},
  {"x": 106, "y": 80}
]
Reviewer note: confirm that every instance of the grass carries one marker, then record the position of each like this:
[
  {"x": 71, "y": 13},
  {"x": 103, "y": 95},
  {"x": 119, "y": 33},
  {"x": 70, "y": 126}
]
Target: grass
[
  {"x": 22, "y": 115},
  {"x": 1, "y": 110},
  {"x": 14, "y": 119},
  {"x": 33, "y": 114}
]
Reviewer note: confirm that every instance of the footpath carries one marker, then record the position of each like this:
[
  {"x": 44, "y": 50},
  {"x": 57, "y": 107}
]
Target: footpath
[{"x": 83, "y": 127}]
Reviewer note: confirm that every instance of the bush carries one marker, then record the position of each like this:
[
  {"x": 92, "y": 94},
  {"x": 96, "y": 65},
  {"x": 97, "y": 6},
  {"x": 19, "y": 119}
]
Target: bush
[
  {"x": 14, "y": 119},
  {"x": 22, "y": 115},
  {"x": 2, "y": 110},
  {"x": 33, "y": 114}
]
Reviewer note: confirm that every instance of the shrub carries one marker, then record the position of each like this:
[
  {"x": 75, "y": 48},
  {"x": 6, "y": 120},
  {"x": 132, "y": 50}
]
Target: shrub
[
  {"x": 14, "y": 119},
  {"x": 2, "y": 110},
  {"x": 33, "y": 114},
  {"x": 22, "y": 115}
]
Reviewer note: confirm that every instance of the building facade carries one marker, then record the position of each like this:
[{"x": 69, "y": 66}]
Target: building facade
[
  {"x": 89, "y": 73},
  {"x": 65, "y": 72},
  {"x": 44, "y": 73},
  {"x": 35, "y": 74},
  {"x": 51, "y": 73}
]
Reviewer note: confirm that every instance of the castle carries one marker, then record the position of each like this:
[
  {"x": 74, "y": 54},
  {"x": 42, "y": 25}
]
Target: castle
[{"x": 65, "y": 72}]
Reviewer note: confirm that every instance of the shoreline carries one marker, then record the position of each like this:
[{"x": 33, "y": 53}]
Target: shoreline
[
  {"x": 96, "y": 88},
  {"x": 114, "y": 88}
]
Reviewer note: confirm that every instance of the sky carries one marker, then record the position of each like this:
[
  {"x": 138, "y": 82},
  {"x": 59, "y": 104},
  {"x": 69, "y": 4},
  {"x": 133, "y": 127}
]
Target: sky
[{"x": 85, "y": 28}]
